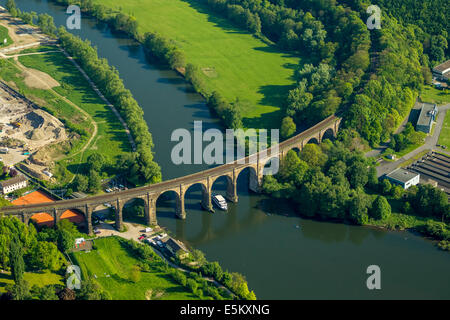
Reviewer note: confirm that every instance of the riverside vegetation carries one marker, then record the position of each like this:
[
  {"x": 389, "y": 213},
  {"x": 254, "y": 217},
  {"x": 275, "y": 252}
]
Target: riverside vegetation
[
  {"x": 340, "y": 184},
  {"x": 35, "y": 264}
]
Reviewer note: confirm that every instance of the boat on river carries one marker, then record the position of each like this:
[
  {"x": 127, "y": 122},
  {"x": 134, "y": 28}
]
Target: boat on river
[{"x": 220, "y": 201}]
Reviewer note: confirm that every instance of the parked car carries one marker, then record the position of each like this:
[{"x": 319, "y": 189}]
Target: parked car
[{"x": 141, "y": 238}]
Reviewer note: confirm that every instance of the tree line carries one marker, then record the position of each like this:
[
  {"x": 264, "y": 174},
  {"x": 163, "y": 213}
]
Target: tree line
[
  {"x": 108, "y": 80},
  {"x": 23, "y": 249},
  {"x": 340, "y": 184}
]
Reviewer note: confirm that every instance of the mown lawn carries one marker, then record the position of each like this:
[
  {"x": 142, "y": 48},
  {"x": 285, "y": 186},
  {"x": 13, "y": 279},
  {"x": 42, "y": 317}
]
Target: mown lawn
[
  {"x": 433, "y": 95},
  {"x": 40, "y": 279},
  {"x": 111, "y": 258},
  {"x": 111, "y": 138},
  {"x": 4, "y": 35},
  {"x": 235, "y": 63},
  {"x": 444, "y": 137}
]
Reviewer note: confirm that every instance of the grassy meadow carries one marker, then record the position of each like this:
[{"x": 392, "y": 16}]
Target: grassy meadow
[
  {"x": 234, "y": 62},
  {"x": 4, "y": 35},
  {"x": 40, "y": 279},
  {"x": 111, "y": 263},
  {"x": 433, "y": 95},
  {"x": 444, "y": 137},
  {"x": 111, "y": 137}
]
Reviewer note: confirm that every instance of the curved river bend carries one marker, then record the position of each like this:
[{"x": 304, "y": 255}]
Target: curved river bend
[{"x": 281, "y": 255}]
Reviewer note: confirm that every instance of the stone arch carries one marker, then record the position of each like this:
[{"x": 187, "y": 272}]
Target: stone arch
[
  {"x": 313, "y": 140},
  {"x": 228, "y": 190},
  {"x": 253, "y": 182},
  {"x": 271, "y": 166},
  {"x": 295, "y": 149},
  {"x": 329, "y": 134},
  {"x": 134, "y": 210},
  {"x": 42, "y": 219},
  {"x": 205, "y": 196},
  {"x": 165, "y": 200}
]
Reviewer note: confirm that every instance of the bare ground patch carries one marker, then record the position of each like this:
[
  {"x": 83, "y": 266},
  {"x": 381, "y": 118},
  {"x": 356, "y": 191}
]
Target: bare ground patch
[{"x": 37, "y": 79}]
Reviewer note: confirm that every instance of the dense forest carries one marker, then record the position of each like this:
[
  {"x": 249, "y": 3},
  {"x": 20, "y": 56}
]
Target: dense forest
[
  {"x": 339, "y": 183},
  {"x": 370, "y": 77}
]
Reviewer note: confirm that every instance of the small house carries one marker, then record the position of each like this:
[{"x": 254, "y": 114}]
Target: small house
[
  {"x": 442, "y": 71},
  {"x": 427, "y": 116},
  {"x": 403, "y": 178},
  {"x": 175, "y": 246},
  {"x": 13, "y": 184}
]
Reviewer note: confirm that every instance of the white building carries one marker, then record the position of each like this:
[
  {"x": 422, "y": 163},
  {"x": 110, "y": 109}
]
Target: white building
[
  {"x": 404, "y": 178},
  {"x": 13, "y": 184},
  {"x": 442, "y": 71}
]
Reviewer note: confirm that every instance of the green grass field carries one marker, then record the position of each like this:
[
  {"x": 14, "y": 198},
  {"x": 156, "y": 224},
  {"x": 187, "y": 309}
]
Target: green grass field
[
  {"x": 444, "y": 137},
  {"x": 433, "y": 95},
  {"x": 111, "y": 258},
  {"x": 235, "y": 63},
  {"x": 4, "y": 35},
  {"x": 40, "y": 279},
  {"x": 111, "y": 138}
]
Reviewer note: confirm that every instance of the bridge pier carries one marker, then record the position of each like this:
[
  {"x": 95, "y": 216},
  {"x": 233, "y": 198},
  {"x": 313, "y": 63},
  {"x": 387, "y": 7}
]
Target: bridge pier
[
  {"x": 206, "y": 199},
  {"x": 26, "y": 218},
  {"x": 88, "y": 216},
  {"x": 57, "y": 213},
  {"x": 119, "y": 219},
  {"x": 149, "y": 210},
  {"x": 180, "y": 210},
  {"x": 231, "y": 194},
  {"x": 255, "y": 181}
]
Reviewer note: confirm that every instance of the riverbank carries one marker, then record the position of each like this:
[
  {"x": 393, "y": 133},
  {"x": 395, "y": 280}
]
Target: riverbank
[{"x": 256, "y": 73}]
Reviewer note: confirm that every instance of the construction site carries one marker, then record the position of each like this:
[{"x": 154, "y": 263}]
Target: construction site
[{"x": 25, "y": 128}]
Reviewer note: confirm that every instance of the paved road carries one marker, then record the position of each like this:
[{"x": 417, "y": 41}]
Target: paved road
[{"x": 430, "y": 144}]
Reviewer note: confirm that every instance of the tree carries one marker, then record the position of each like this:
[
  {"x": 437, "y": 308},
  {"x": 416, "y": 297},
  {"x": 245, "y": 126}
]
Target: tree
[
  {"x": 81, "y": 183},
  {"x": 67, "y": 294},
  {"x": 288, "y": 127},
  {"x": 381, "y": 209},
  {"x": 45, "y": 255},
  {"x": 20, "y": 290},
  {"x": 386, "y": 187},
  {"x": 292, "y": 168},
  {"x": 90, "y": 290},
  {"x": 313, "y": 155},
  {"x": 16, "y": 260},
  {"x": 357, "y": 174},
  {"x": 94, "y": 181},
  {"x": 45, "y": 293},
  {"x": 358, "y": 208},
  {"x": 95, "y": 162},
  {"x": 10, "y": 4},
  {"x": 65, "y": 240}
]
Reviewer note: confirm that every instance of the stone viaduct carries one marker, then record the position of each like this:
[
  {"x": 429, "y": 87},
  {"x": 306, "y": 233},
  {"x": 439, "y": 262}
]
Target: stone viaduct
[{"x": 150, "y": 193}]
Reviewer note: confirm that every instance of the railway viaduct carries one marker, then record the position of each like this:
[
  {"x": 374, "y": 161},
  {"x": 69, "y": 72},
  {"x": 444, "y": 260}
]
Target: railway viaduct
[{"x": 150, "y": 193}]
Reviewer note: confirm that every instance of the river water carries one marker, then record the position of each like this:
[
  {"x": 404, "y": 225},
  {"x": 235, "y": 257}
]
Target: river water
[{"x": 281, "y": 255}]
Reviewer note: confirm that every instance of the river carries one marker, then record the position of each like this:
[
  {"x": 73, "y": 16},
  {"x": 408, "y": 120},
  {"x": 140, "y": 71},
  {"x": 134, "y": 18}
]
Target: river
[{"x": 281, "y": 255}]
